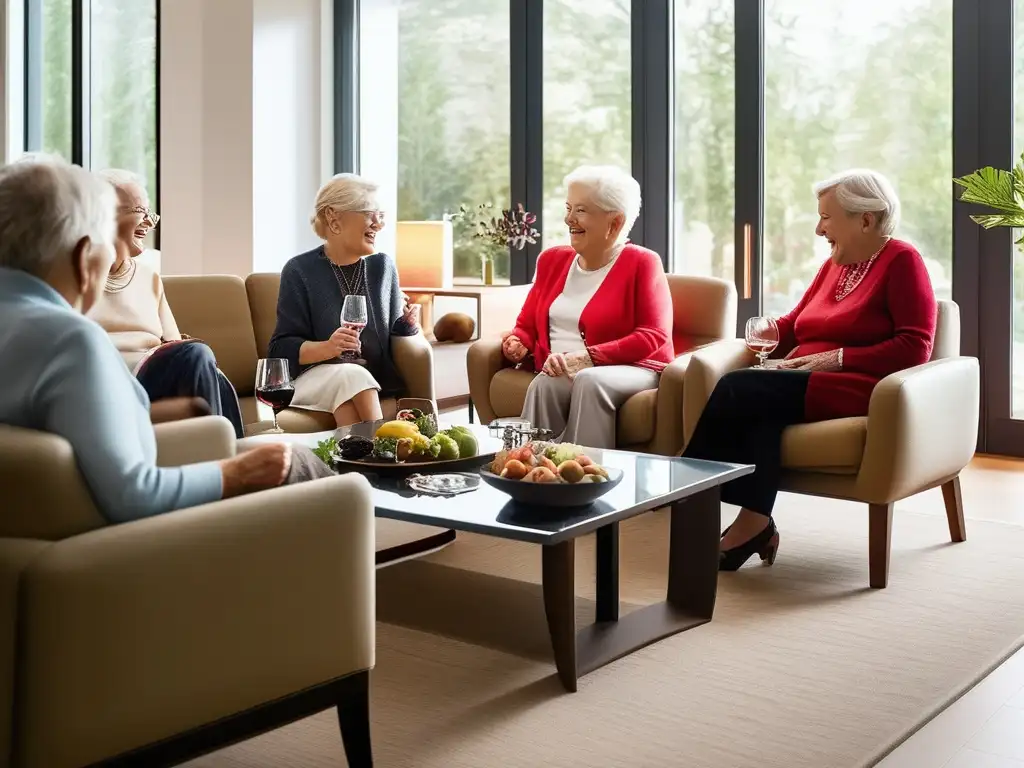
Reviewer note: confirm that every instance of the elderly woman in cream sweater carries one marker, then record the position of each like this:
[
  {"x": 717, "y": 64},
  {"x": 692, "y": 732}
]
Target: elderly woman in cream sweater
[{"x": 135, "y": 313}]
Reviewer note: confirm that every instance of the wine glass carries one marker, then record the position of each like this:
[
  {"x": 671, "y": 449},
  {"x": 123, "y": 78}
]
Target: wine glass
[
  {"x": 353, "y": 315},
  {"x": 274, "y": 387},
  {"x": 762, "y": 336}
]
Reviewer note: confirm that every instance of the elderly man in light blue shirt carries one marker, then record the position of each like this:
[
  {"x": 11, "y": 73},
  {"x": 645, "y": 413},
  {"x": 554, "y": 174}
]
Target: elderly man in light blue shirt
[{"x": 63, "y": 375}]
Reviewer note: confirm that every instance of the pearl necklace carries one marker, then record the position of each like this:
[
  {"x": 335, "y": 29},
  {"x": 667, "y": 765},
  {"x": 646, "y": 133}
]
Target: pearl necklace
[
  {"x": 118, "y": 281},
  {"x": 853, "y": 275}
]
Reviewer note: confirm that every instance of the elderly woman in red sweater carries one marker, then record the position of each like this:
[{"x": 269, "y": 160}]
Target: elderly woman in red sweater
[
  {"x": 869, "y": 312},
  {"x": 598, "y": 319}
]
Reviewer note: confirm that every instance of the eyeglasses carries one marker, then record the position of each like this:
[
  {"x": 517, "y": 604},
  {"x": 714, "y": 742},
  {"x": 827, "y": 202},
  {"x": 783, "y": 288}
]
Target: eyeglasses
[
  {"x": 377, "y": 217},
  {"x": 147, "y": 215}
]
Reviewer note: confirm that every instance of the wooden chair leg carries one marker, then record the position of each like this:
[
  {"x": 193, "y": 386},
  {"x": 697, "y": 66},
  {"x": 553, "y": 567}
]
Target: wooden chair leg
[
  {"x": 354, "y": 720},
  {"x": 954, "y": 509},
  {"x": 879, "y": 543}
]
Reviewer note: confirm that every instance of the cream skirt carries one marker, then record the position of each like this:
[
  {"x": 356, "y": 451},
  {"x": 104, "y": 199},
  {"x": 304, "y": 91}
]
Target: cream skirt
[{"x": 326, "y": 387}]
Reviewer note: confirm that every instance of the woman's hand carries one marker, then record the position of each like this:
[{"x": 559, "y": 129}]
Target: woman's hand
[
  {"x": 512, "y": 347},
  {"x": 411, "y": 313},
  {"x": 343, "y": 340},
  {"x": 576, "y": 362},
  {"x": 555, "y": 365},
  {"x": 822, "y": 361}
]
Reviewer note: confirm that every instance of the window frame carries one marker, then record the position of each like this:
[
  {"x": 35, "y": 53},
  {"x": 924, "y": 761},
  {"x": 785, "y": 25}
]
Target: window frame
[{"x": 81, "y": 87}]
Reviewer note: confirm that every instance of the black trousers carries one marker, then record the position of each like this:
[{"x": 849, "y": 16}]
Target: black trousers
[
  {"x": 190, "y": 370},
  {"x": 743, "y": 423}
]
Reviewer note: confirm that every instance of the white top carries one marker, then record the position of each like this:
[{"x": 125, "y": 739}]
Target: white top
[{"x": 564, "y": 316}]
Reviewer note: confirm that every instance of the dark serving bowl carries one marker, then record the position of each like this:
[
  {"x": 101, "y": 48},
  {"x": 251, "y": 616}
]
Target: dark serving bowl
[{"x": 553, "y": 494}]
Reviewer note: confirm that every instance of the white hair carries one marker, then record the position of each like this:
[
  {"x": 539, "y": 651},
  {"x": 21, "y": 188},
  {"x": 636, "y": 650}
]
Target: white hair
[
  {"x": 46, "y": 207},
  {"x": 613, "y": 190},
  {"x": 343, "y": 192},
  {"x": 861, "y": 190}
]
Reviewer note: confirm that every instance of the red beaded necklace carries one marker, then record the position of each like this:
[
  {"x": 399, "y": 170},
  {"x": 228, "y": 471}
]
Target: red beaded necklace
[{"x": 853, "y": 274}]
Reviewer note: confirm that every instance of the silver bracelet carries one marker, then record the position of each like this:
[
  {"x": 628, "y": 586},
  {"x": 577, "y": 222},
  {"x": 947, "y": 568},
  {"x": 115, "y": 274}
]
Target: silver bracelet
[{"x": 840, "y": 358}]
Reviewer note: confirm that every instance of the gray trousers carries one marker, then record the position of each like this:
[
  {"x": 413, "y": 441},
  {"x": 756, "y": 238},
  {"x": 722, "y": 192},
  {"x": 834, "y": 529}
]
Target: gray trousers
[{"x": 583, "y": 410}]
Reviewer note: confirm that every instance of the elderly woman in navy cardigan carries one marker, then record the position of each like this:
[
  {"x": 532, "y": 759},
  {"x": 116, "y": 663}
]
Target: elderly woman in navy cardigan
[{"x": 309, "y": 333}]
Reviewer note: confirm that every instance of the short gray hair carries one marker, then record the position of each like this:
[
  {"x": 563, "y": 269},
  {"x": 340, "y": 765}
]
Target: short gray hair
[
  {"x": 861, "y": 190},
  {"x": 613, "y": 189},
  {"x": 343, "y": 192},
  {"x": 46, "y": 208},
  {"x": 119, "y": 177}
]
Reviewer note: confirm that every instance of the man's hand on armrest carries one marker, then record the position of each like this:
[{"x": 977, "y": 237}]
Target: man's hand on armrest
[
  {"x": 178, "y": 408},
  {"x": 259, "y": 469}
]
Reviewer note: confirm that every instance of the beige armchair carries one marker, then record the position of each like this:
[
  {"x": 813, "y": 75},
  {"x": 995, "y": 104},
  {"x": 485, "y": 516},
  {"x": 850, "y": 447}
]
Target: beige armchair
[
  {"x": 920, "y": 432},
  {"x": 159, "y": 640},
  {"x": 236, "y": 318},
  {"x": 650, "y": 421}
]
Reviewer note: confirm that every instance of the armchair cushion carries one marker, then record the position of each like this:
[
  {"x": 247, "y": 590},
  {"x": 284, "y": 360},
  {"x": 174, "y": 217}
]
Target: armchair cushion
[{"x": 834, "y": 447}]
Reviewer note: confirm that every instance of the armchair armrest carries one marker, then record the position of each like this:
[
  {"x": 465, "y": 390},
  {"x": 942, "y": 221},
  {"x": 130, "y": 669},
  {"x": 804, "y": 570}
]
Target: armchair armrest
[
  {"x": 147, "y": 629},
  {"x": 414, "y": 358},
  {"x": 191, "y": 441},
  {"x": 668, "y": 427},
  {"x": 707, "y": 366},
  {"x": 922, "y": 429},
  {"x": 483, "y": 360},
  {"x": 178, "y": 408}
]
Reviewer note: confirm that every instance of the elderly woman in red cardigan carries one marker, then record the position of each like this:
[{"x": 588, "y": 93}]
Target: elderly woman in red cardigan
[
  {"x": 869, "y": 312},
  {"x": 598, "y": 319}
]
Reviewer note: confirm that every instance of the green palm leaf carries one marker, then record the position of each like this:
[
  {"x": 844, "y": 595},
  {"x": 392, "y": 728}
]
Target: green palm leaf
[{"x": 994, "y": 188}]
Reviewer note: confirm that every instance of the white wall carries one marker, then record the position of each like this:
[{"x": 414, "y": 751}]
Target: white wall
[
  {"x": 378, "y": 109},
  {"x": 242, "y": 132}
]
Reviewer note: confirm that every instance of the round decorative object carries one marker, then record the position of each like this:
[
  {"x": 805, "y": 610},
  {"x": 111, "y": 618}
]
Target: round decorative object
[
  {"x": 455, "y": 327},
  {"x": 553, "y": 494}
]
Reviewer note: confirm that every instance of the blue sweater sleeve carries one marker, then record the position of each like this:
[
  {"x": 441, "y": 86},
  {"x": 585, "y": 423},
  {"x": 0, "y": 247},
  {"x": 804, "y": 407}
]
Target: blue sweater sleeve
[
  {"x": 88, "y": 396},
  {"x": 294, "y": 319}
]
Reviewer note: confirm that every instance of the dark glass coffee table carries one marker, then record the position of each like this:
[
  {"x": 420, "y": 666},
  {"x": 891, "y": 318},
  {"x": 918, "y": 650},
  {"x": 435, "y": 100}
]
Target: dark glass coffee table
[{"x": 690, "y": 487}]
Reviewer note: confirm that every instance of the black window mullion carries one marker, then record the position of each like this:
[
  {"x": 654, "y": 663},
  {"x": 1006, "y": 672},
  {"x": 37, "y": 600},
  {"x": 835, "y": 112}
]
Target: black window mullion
[
  {"x": 81, "y": 102},
  {"x": 750, "y": 150},
  {"x": 526, "y": 36},
  {"x": 652, "y": 111},
  {"x": 346, "y": 86}
]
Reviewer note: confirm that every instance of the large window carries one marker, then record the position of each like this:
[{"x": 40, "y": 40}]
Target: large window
[
  {"x": 91, "y": 83},
  {"x": 705, "y": 138},
  {"x": 48, "y": 117},
  {"x": 1017, "y": 389},
  {"x": 453, "y": 119},
  {"x": 587, "y": 96},
  {"x": 836, "y": 97},
  {"x": 123, "y": 87}
]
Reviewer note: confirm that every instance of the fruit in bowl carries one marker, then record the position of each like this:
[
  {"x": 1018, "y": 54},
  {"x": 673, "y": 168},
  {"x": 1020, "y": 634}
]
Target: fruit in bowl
[{"x": 548, "y": 463}]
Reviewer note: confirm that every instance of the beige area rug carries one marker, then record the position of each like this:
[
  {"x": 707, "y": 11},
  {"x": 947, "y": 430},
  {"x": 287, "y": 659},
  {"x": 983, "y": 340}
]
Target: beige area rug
[{"x": 802, "y": 667}]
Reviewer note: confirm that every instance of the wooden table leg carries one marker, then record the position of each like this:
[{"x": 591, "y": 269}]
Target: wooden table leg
[
  {"x": 558, "y": 563},
  {"x": 689, "y": 603},
  {"x": 607, "y": 573},
  {"x": 693, "y": 553}
]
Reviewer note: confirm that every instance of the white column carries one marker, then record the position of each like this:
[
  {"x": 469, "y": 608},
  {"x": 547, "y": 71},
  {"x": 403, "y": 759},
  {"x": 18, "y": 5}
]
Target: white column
[
  {"x": 241, "y": 132},
  {"x": 378, "y": 107}
]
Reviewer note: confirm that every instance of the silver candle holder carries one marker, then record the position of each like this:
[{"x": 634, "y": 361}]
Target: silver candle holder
[{"x": 516, "y": 432}]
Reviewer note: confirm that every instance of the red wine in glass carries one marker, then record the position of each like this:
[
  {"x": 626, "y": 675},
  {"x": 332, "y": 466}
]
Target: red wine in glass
[{"x": 274, "y": 387}]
